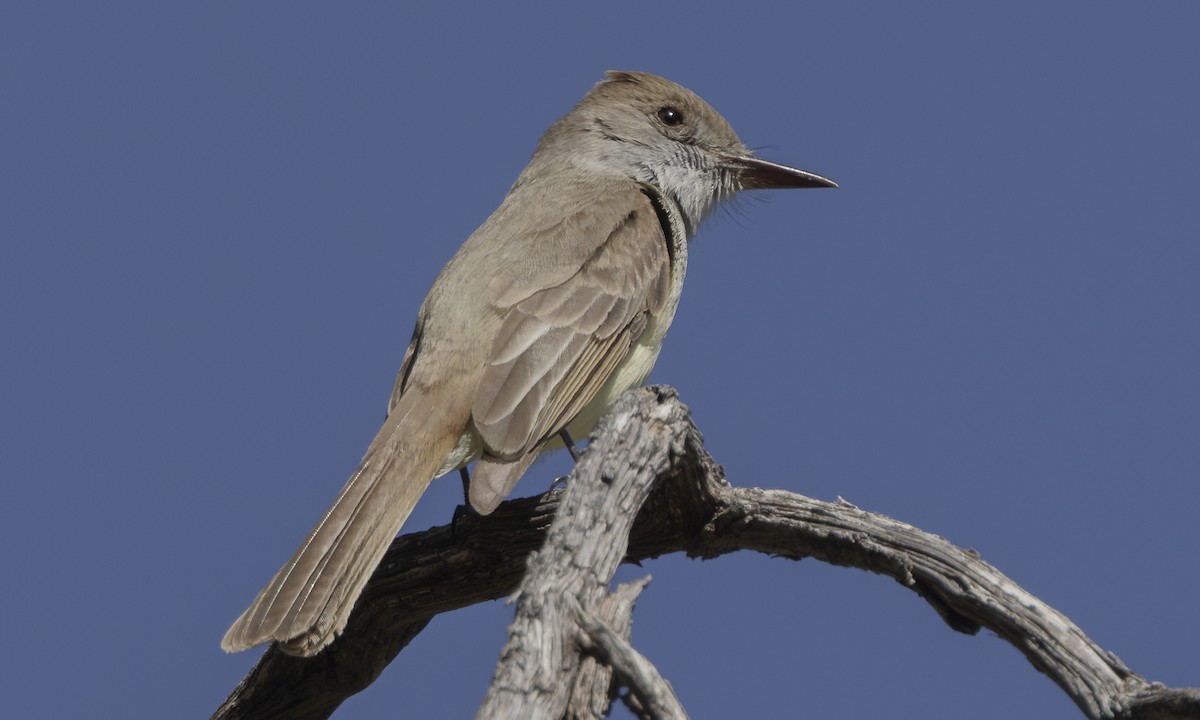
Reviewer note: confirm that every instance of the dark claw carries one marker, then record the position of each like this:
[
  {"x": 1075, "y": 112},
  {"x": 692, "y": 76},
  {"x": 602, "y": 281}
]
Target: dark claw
[{"x": 460, "y": 512}]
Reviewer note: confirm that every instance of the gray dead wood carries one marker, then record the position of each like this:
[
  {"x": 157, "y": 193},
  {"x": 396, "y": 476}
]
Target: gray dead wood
[
  {"x": 593, "y": 692},
  {"x": 691, "y": 509},
  {"x": 561, "y": 602}
]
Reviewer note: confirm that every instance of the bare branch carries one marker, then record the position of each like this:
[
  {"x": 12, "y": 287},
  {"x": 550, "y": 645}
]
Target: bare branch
[
  {"x": 594, "y": 688},
  {"x": 564, "y": 590},
  {"x": 655, "y": 698},
  {"x": 692, "y": 509}
]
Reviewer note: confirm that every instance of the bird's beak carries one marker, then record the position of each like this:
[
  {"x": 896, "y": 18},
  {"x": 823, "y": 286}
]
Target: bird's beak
[{"x": 758, "y": 174}]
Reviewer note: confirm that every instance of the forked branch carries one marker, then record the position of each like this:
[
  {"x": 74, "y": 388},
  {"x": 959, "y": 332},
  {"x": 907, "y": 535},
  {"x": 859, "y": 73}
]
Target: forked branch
[{"x": 648, "y": 439}]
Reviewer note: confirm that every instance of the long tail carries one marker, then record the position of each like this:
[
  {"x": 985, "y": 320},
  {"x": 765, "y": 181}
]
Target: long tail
[{"x": 309, "y": 600}]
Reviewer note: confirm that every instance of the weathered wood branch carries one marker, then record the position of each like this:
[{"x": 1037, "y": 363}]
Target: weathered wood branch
[
  {"x": 594, "y": 687},
  {"x": 691, "y": 509},
  {"x": 561, "y": 601},
  {"x": 650, "y": 695}
]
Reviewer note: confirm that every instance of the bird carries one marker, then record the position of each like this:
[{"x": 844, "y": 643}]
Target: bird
[{"x": 554, "y": 306}]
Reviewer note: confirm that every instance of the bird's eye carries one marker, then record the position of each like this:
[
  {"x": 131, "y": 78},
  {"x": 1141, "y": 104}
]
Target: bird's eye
[{"x": 670, "y": 116}]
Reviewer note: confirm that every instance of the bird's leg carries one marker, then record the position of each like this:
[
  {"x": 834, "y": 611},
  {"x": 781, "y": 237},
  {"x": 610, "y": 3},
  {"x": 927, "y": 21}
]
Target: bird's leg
[
  {"x": 465, "y": 509},
  {"x": 566, "y": 438},
  {"x": 466, "y": 481}
]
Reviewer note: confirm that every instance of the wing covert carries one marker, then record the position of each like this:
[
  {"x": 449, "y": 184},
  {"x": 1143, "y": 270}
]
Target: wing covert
[{"x": 558, "y": 345}]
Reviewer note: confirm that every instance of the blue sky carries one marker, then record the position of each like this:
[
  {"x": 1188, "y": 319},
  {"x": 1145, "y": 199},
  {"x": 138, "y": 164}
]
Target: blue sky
[{"x": 217, "y": 221}]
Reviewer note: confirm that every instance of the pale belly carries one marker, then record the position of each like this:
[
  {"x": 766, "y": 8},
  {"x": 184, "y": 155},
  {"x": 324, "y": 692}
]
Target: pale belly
[
  {"x": 632, "y": 372},
  {"x": 629, "y": 374}
]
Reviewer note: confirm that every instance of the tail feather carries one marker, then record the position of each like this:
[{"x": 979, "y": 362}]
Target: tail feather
[
  {"x": 309, "y": 600},
  {"x": 493, "y": 479}
]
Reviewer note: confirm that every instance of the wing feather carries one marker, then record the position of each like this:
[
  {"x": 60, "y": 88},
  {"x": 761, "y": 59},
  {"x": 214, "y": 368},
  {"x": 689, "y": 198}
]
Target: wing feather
[{"x": 559, "y": 344}]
